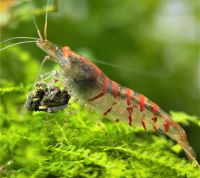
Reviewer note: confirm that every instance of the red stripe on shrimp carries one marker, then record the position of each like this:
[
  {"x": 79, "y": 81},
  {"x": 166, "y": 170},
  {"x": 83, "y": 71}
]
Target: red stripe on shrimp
[
  {"x": 105, "y": 113},
  {"x": 143, "y": 122},
  {"x": 155, "y": 108},
  {"x": 128, "y": 95},
  {"x": 103, "y": 92},
  {"x": 144, "y": 125},
  {"x": 110, "y": 109},
  {"x": 130, "y": 119},
  {"x": 166, "y": 125},
  {"x": 155, "y": 118},
  {"x": 142, "y": 98},
  {"x": 129, "y": 107},
  {"x": 115, "y": 89}
]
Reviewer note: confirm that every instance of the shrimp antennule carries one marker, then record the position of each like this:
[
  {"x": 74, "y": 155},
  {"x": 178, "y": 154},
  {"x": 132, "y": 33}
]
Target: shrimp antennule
[
  {"x": 38, "y": 30},
  {"x": 45, "y": 25}
]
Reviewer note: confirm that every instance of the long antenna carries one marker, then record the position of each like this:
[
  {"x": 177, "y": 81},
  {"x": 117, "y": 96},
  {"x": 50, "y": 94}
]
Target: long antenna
[
  {"x": 45, "y": 25},
  {"x": 153, "y": 74},
  {"x": 38, "y": 30},
  {"x": 19, "y": 37},
  {"x": 22, "y": 42}
]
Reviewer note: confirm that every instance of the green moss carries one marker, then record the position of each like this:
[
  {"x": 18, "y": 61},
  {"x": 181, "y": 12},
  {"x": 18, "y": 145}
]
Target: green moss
[{"x": 40, "y": 144}]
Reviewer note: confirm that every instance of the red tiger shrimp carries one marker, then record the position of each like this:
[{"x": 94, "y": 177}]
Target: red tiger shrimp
[
  {"x": 88, "y": 83},
  {"x": 84, "y": 80}
]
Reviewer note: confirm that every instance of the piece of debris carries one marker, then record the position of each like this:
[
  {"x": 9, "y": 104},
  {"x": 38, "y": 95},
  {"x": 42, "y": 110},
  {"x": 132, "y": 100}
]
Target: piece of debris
[{"x": 47, "y": 98}]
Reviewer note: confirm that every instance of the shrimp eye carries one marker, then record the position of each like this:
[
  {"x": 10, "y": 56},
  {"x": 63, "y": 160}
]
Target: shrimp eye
[{"x": 57, "y": 47}]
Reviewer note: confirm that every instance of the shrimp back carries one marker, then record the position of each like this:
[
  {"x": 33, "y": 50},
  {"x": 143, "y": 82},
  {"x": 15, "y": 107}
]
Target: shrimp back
[{"x": 90, "y": 85}]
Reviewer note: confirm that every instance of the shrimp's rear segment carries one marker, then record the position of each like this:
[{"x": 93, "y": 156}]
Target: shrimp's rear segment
[{"x": 125, "y": 104}]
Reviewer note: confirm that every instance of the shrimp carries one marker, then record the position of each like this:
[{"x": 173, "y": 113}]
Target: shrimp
[{"x": 85, "y": 81}]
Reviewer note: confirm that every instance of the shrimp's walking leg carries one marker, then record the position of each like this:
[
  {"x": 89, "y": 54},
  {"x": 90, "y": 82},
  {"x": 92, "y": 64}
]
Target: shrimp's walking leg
[
  {"x": 49, "y": 75},
  {"x": 41, "y": 66}
]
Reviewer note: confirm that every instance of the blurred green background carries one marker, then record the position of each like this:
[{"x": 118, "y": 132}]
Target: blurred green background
[{"x": 152, "y": 44}]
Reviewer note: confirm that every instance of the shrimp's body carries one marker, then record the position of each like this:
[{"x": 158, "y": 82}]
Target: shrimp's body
[{"x": 86, "y": 81}]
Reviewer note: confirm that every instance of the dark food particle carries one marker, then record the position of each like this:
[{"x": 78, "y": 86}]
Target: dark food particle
[{"x": 47, "y": 99}]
